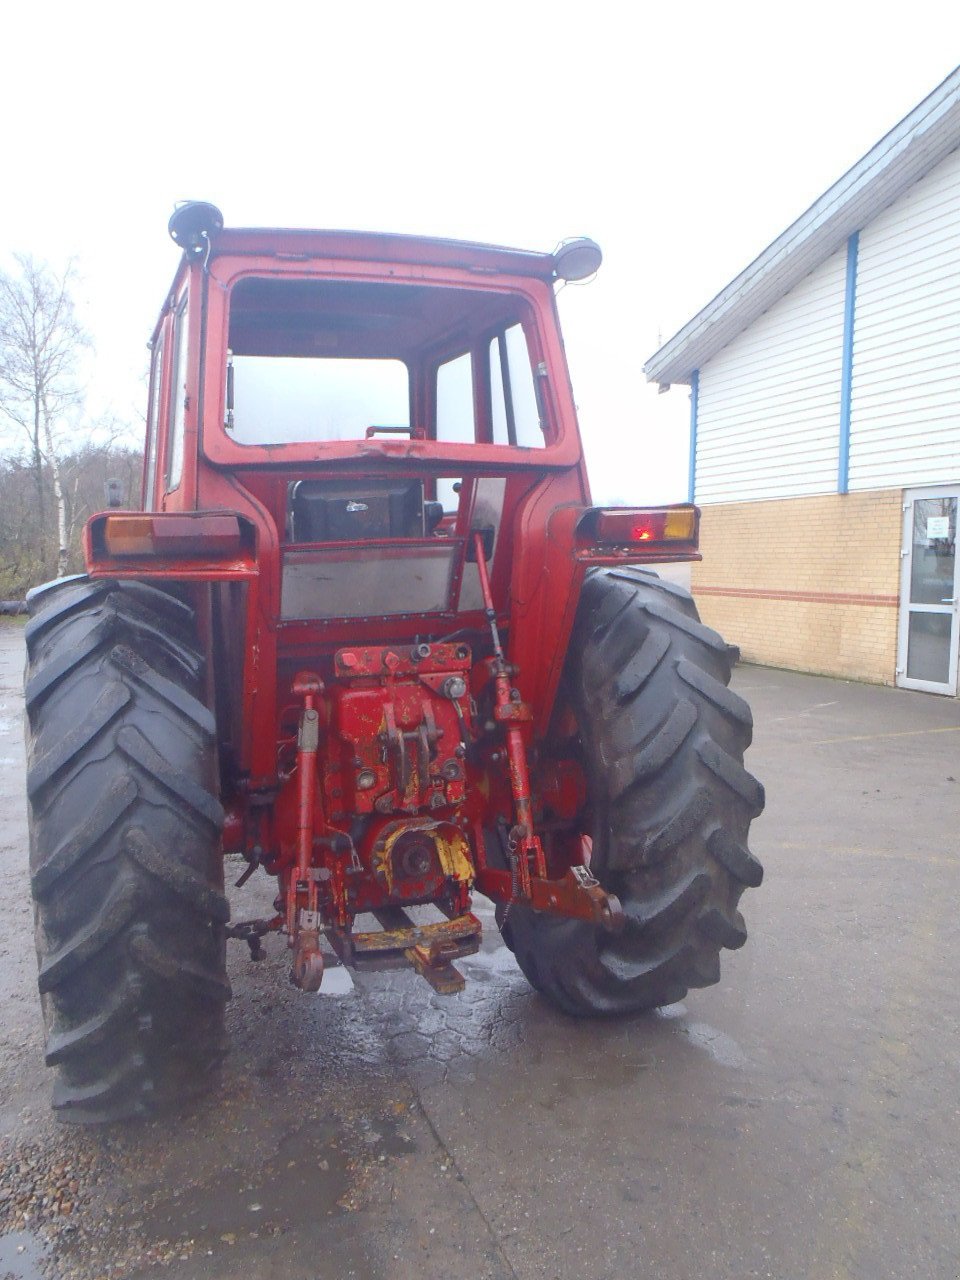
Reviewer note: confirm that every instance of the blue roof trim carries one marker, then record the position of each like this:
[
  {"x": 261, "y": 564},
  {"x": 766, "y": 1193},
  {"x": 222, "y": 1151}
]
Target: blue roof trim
[
  {"x": 846, "y": 370},
  {"x": 694, "y": 411}
]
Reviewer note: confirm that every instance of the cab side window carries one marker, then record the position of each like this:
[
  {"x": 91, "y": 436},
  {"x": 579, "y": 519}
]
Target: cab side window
[
  {"x": 153, "y": 425},
  {"x": 178, "y": 395},
  {"x": 513, "y": 395},
  {"x": 490, "y": 394},
  {"x": 456, "y": 417}
]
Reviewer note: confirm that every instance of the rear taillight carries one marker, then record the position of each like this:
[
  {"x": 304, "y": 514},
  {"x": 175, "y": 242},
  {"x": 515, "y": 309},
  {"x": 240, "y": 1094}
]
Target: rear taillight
[
  {"x": 164, "y": 534},
  {"x": 664, "y": 524},
  {"x": 645, "y": 531}
]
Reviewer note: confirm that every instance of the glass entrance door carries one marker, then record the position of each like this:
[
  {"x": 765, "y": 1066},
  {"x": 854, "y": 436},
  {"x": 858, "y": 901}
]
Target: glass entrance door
[{"x": 929, "y": 608}]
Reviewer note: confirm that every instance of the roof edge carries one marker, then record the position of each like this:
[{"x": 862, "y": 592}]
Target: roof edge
[
  {"x": 929, "y": 133},
  {"x": 386, "y": 247}
]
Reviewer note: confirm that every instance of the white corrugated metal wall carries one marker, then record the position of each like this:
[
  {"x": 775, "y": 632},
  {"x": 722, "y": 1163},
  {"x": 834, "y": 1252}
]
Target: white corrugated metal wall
[
  {"x": 769, "y": 403},
  {"x": 905, "y": 404},
  {"x": 768, "y": 415}
]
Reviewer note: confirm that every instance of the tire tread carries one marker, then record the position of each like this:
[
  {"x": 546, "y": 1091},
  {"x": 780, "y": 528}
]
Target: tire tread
[
  {"x": 663, "y": 738},
  {"x": 125, "y": 824}
]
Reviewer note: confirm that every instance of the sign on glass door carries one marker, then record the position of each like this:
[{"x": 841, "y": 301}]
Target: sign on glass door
[{"x": 929, "y": 611}]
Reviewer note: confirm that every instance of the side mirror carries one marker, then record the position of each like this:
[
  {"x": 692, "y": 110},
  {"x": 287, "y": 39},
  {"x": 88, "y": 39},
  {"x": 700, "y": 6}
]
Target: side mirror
[{"x": 116, "y": 495}]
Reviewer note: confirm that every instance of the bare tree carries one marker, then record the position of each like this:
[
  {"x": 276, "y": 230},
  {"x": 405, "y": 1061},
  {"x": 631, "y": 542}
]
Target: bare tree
[
  {"x": 20, "y": 535},
  {"x": 84, "y": 474},
  {"x": 41, "y": 341}
]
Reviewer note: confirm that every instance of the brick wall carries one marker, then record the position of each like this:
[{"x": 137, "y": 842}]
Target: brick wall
[{"x": 806, "y": 583}]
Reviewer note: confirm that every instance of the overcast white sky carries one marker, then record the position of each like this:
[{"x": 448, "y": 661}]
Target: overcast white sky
[{"x": 683, "y": 138}]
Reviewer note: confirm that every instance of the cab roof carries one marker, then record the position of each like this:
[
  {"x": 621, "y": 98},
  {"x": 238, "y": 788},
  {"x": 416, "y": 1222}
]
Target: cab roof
[{"x": 370, "y": 246}]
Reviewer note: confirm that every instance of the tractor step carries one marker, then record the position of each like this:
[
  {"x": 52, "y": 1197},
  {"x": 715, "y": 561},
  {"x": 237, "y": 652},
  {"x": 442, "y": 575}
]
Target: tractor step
[{"x": 430, "y": 948}]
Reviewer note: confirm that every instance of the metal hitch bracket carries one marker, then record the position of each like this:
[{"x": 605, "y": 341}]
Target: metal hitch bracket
[{"x": 430, "y": 948}]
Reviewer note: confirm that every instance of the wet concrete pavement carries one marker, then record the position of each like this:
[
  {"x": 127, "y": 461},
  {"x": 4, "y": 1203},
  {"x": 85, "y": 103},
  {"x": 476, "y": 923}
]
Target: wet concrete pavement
[{"x": 801, "y": 1119}]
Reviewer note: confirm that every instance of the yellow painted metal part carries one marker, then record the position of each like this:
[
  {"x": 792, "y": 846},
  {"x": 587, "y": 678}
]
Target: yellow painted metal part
[
  {"x": 461, "y": 931},
  {"x": 452, "y": 847}
]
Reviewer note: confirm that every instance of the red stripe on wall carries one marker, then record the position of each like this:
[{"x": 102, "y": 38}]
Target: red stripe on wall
[{"x": 804, "y": 597}]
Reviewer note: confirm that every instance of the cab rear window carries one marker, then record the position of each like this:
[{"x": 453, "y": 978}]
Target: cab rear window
[{"x": 315, "y": 360}]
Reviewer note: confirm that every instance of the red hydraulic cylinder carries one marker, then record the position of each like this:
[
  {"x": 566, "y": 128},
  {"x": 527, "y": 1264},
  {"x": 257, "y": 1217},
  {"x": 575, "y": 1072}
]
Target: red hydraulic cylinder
[
  {"x": 303, "y": 927},
  {"x": 511, "y": 712}
]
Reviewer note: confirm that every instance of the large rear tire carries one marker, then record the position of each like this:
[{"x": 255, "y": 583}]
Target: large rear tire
[
  {"x": 662, "y": 741},
  {"x": 125, "y": 861}
]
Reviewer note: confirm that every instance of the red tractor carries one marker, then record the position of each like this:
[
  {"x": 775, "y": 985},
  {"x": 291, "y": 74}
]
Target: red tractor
[{"x": 369, "y": 632}]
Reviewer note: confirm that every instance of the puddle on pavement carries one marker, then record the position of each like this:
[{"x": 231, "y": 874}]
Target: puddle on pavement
[
  {"x": 485, "y": 964},
  {"x": 20, "y": 1256},
  {"x": 722, "y": 1048},
  {"x": 337, "y": 981}
]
